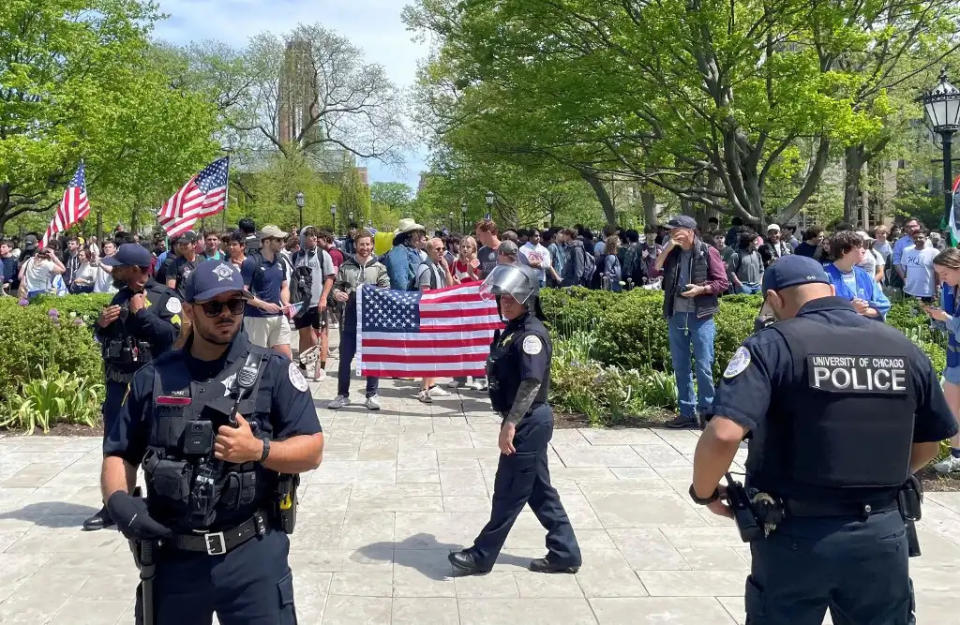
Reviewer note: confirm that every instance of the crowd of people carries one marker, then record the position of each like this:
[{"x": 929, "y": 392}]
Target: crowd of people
[{"x": 307, "y": 281}]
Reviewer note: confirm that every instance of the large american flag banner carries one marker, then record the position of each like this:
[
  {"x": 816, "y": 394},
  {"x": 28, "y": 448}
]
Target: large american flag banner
[
  {"x": 441, "y": 333},
  {"x": 73, "y": 207},
  {"x": 204, "y": 195}
]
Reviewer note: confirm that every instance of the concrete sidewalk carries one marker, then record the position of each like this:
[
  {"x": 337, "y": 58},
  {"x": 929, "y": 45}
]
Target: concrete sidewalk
[{"x": 401, "y": 488}]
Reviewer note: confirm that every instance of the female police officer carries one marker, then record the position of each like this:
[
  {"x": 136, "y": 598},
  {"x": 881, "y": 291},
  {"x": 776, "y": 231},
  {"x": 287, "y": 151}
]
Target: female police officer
[{"x": 518, "y": 372}]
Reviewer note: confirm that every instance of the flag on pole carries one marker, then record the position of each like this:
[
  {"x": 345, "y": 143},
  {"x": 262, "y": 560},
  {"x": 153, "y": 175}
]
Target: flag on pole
[
  {"x": 204, "y": 195},
  {"x": 955, "y": 214},
  {"x": 441, "y": 333},
  {"x": 73, "y": 207}
]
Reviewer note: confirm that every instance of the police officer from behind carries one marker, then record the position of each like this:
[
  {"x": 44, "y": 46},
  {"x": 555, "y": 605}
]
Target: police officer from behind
[
  {"x": 840, "y": 411},
  {"x": 141, "y": 322},
  {"x": 518, "y": 375},
  {"x": 216, "y": 491}
]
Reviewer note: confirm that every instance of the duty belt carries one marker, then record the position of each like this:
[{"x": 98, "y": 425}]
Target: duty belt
[
  {"x": 219, "y": 543},
  {"x": 813, "y": 508}
]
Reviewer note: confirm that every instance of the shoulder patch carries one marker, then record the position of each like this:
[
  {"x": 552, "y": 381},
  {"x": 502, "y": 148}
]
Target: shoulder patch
[
  {"x": 296, "y": 377},
  {"x": 532, "y": 345},
  {"x": 174, "y": 306},
  {"x": 738, "y": 364}
]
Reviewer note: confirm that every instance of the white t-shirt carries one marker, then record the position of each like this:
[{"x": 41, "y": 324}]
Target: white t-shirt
[
  {"x": 918, "y": 265},
  {"x": 103, "y": 281},
  {"x": 537, "y": 253},
  {"x": 321, "y": 266},
  {"x": 86, "y": 273},
  {"x": 871, "y": 258},
  {"x": 38, "y": 275}
]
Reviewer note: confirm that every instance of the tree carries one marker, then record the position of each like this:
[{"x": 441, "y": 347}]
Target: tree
[
  {"x": 77, "y": 81},
  {"x": 396, "y": 195},
  {"x": 311, "y": 90}
]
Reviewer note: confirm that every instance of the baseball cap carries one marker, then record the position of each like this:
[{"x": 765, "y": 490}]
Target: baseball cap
[
  {"x": 210, "y": 279},
  {"x": 793, "y": 270},
  {"x": 187, "y": 237},
  {"x": 29, "y": 243},
  {"x": 773, "y": 228},
  {"x": 272, "y": 232},
  {"x": 129, "y": 255},
  {"x": 681, "y": 221}
]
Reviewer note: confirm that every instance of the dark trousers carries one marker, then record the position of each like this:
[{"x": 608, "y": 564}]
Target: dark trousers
[
  {"x": 115, "y": 392},
  {"x": 251, "y": 585},
  {"x": 348, "y": 349},
  {"x": 524, "y": 478},
  {"x": 857, "y": 569}
]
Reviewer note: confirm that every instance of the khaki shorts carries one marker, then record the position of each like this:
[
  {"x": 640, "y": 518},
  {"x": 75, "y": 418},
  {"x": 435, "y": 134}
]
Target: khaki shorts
[{"x": 267, "y": 331}]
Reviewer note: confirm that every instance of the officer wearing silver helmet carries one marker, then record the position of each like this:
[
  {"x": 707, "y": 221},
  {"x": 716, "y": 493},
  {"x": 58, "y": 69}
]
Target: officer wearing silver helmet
[{"x": 518, "y": 375}]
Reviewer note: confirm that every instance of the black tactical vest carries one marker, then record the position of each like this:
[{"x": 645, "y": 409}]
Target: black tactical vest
[
  {"x": 844, "y": 423},
  {"x": 179, "y": 448},
  {"x": 503, "y": 364}
]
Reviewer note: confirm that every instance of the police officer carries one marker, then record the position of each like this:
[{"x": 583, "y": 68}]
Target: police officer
[
  {"x": 840, "y": 411},
  {"x": 215, "y": 507},
  {"x": 518, "y": 374},
  {"x": 140, "y": 323}
]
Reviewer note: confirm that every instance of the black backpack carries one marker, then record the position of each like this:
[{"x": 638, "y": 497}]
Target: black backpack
[{"x": 589, "y": 270}]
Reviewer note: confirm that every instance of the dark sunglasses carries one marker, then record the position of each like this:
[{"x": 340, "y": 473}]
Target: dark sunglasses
[{"x": 215, "y": 308}]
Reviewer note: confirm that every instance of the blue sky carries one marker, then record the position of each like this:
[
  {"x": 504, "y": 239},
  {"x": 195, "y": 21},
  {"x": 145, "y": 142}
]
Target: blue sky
[{"x": 372, "y": 25}]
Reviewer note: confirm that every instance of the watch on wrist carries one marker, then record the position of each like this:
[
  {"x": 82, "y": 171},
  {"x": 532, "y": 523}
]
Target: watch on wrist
[
  {"x": 266, "y": 448},
  {"x": 704, "y": 500}
]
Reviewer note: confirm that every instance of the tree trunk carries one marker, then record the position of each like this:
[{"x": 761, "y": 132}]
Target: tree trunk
[
  {"x": 853, "y": 160},
  {"x": 602, "y": 196},
  {"x": 649, "y": 202}
]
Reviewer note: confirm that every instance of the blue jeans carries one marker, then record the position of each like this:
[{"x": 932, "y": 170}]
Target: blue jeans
[
  {"x": 748, "y": 288},
  {"x": 687, "y": 330}
]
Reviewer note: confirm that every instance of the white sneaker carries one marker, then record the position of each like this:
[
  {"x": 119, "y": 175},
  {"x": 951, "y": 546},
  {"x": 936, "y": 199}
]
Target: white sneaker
[
  {"x": 424, "y": 396},
  {"x": 455, "y": 384},
  {"x": 319, "y": 374},
  {"x": 479, "y": 384},
  {"x": 340, "y": 401},
  {"x": 373, "y": 402},
  {"x": 950, "y": 464},
  {"x": 437, "y": 391}
]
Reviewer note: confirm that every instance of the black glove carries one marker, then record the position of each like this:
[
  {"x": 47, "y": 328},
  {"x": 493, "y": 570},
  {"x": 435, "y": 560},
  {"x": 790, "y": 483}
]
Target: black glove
[{"x": 133, "y": 519}]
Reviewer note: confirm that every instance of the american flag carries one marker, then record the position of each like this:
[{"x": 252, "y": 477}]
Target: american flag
[
  {"x": 73, "y": 207},
  {"x": 205, "y": 194},
  {"x": 441, "y": 333}
]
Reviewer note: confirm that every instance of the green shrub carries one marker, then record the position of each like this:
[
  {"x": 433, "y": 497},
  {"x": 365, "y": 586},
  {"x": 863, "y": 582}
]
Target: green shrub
[
  {"x": 85, "y": 306},
  {"x": 30, "y": 337},
  {"x": 50, "y": 398}
]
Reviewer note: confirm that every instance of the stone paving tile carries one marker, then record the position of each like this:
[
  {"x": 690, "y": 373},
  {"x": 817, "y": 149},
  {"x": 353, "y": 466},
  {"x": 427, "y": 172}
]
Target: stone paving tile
[{"x": 402, "y": 488}]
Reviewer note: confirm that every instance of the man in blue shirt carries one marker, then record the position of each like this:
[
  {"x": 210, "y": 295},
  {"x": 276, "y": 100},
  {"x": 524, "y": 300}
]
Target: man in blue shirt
[{"x": 265, "y": 276}]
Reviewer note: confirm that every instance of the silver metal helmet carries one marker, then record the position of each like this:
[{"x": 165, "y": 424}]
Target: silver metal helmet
[{"x": 521, "y": 283}]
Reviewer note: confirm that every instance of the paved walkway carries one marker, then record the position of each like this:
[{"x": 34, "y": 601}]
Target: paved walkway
[{"x": 400, "y": 489}]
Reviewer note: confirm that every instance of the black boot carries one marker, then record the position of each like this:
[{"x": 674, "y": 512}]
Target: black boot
[
  {"x": 465, "y": 562},
  {"x": 542, "y": 565},
  {"x": 98, "y": 521}
]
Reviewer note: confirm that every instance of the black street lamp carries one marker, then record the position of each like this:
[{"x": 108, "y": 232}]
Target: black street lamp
[
  {"x": 942, "y": 106},
  {"x": 333, "y": 217},
  {"x": 450, "y": 219},
  {"x": 300, "y": 207},
  {"x": 463, "y": 211},
  {"x": 491, "y": 198},
  {"x": 351, "y": 217}
]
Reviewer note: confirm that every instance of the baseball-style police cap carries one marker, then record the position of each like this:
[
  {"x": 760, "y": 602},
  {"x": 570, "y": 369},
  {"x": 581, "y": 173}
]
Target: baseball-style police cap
[
  {"x": 793, "y": 270},
  {"x": 187, "y": 237},
  {"x": 129, "y": 255},
  {"x": 681, "y": 221},
  {"x": 212, "y": 278}
]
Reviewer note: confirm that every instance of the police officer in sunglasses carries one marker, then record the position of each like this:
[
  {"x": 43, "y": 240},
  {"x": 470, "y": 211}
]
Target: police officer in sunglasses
[{"x": 219, "y": 428}]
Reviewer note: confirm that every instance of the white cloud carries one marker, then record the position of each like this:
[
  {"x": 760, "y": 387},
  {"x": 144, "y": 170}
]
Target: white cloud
[{"x": 372, "y": 25}]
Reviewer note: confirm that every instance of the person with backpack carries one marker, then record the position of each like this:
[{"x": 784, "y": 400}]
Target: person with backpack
[
  {"x": 648, "y": 252},
  {"x": 313, "y": 271},
  {"x": 265, "y": 276},
  {"x": 693, "y": 279},
  {"x": 612, "y": 272},
  {"x": 575, "y": 263},
  {"x": 404, "y": 257},
  {"x": 745, "y": 265},
  {"x": 250, "y": 239}
]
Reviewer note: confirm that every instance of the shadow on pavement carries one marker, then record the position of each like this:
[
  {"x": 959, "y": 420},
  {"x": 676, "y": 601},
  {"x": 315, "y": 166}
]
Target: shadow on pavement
[
  {"x": 52, "y": 514},
  {"x": 423, "y": 553}
]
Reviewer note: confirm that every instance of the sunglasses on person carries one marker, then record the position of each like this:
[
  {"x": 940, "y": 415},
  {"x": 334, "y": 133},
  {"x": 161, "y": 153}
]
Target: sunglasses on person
[{"x": 214, "y": 308}]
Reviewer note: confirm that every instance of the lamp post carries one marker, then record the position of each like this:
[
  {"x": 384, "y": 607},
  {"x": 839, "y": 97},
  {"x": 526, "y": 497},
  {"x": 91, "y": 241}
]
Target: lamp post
[
  {"x": 333, "y": 217},
  {"x": 491, "y": 198},
  {"x": 463, "y": 212},
  {"x": 450, "y": 220},
  {"x": 351, "y": 217},
  {"x": 300, "y": 207},
  {"x": 942, "y": 106}
]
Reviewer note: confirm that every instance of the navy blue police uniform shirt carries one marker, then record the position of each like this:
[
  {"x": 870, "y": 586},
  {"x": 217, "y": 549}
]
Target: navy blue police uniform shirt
[
  {"x": 749, "y": 382},
  {"x": 157, "y": 323},
  {"x": 179, "y": 268},
  {"x": 287, "y": 410},
  {"x": 265, "y": 280}
]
